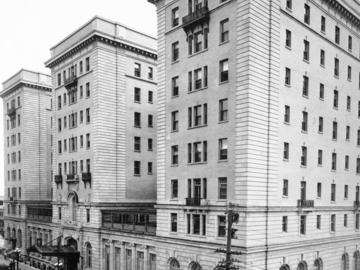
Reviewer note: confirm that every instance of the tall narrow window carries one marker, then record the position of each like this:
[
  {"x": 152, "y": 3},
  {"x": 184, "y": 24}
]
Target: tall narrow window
[
  {"x": 173, "y": 218},
  {"x": 318, "y": 189},
  {"x": 321, "y": 125},
  {"x": 175, "y": 17},
  {"x": 336, "y": 67},
  {"x": 223, "y": 149},
  {"x": 303, "y": 156},
  {"x": 336, "y": 99},
  {"x": 285, "y": 189},
  {"x": 287, "y": 76},
  {"x": 175, "y": 51},
  {"x": 320, "y": 157},
  {"x": 322, "y": 58},
  {"x": 349, "y": 73},
  {"x": 284, "y": 223},
  {"x": 175, "y": 121},
  {"x": 346, "y": 162},
  {"x": 288, "y": 39},
  {"x": 287, "y": 114},
  {"x": 286, "y": 151},
  {"x": 304, "y": 123},
  {"x": 333, "y": 161},
  {"x": 175, "y": 86},
  {"x": 334, "y": 132},
  {"x": 333, "y": 223},
  {"x": 224, "y": 30},
  {"x": 223, "y": 110},
  {"x": 305, "y": 91},
  {"x": 306, "y": 54},
  {"x": 323, "y": 24},
  {"x": 350, "y": 43},
  {"x": 348, "y": 103},
  {"x": 222, "y": 188},
  {"x": 137, "y": 70},
  {"x": 337, "y": 35},
  {"x": 302, "y": 224},
  {"x": 224, "y": 70},
  {"x": 174, "y": 154},
  {"x": 333, "y": 193},
  {"x": 289, "y": 4},
  {"x": 321, "y": 91},
  {"x": 307, "y": 14}
]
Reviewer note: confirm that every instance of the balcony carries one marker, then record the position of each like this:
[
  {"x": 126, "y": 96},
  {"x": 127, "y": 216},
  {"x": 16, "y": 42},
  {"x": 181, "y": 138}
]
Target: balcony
[
  {"x": 193, "y": 201},
  {"x": 86, "y": 177},
  {"x": 198, "y": 16},
  {"x": 356, "y": 205},
  {"x": 11, "y": 112},
  {"x": 72, "y": 178},
  {"x": 305, "y": 204},
  {"x": 58, "y": 179},
  {"x": 71, "y": 82}
]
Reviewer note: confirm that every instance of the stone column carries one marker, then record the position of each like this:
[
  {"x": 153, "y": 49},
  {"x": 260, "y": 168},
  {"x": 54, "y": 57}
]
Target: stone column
[
  {"x": 123, "y": 256},
  {"x": 112, "y": 255},
  {"x": 146, "y": 258},
  {"x": 133, "y": 253}
]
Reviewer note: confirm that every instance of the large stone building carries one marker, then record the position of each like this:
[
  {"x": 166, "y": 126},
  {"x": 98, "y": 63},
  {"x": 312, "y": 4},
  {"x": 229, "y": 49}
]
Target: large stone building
[
  {"x": 258, "y": 112},
  {"x": 27, "y": 158},
  {"x": 104, "y": 144}
]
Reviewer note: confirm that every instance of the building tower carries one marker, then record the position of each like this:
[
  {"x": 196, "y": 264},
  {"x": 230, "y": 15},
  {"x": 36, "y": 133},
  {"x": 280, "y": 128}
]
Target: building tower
[
  {"x": 27, "y": 157},
  {"x": 104, "y": 113},
  {"x": 258, "y": 112}
]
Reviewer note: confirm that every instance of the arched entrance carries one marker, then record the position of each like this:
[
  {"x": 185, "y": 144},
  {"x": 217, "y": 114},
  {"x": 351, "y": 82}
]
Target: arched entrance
[
  {"x": 73, "y": 201},
  {"x": 72, "y": 243}
]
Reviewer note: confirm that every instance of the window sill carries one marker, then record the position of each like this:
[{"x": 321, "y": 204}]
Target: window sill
[
  {"x": 196, "y": 90},
  {"x": 287, "y": 47},
  {"x": 322, "y": 99},
  {"x": 137, "y": 175},
  {"x": 322, "y": 66},
  {"x": 224, "y": 42},
  {"x": 303, "y": 166},
  {"x": 137, "y": 126},
  {"x": 320, "y": 132},
  {"x": 304, "y": 132},
  {"x": 285, "y": 159},
  {"x": 223, "y": 122},
  {"x": 150, "y": 150},
  {"x": 138, "y": 102},
  {"x": 222, "y": 160},
  {"x": 336, "y": 76},
  {"x": 223, "y": 82},
  {"x": 197, "y": 163},
  {"x": 285, "y": 197},
  {"x": 320, "y": 165},
  {"x": 197, "y": 53},
  {"x": 174, "y": 199},
  {"x": 288, "y": 9},
  {"x": 175, "y": 61},
  {"x": 175, "y": 96},
  {"x": 305, "y": 96},
  {"x": 195, "y": 127},
  {"x": 174, "y": 165},
  {"x": 149, "y": 173},
  {"x": 287, "y": 85},
  {"x": 287, "y": 123},
  {"x": 306, "y": 61}
]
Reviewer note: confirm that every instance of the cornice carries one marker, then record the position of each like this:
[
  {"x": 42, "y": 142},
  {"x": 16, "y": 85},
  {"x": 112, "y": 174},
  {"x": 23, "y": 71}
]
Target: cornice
[
  {"x": 96, "y": 37},
  {"x": 25, "y": 84},
  {"x": 345, "y": 12}
]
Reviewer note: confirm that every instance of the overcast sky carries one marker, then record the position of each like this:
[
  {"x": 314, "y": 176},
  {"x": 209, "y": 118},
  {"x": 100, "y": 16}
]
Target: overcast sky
[{"x": 28, "y": 28}]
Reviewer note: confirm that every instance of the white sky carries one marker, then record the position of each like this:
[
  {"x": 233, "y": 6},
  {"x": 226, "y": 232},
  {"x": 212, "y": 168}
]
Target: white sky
[{"x": 29, "y": 28}]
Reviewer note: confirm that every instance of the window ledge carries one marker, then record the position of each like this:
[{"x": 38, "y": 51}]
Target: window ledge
[
  {"x": 321, "y": 65},
  {"x": 222, "y": 160},
  {"x": 175, "y": 62},
  {"x": 224, "y": 42},
  {"x": 197, "y": 53},
  {"x": 285, "y": 159},
  {"x": 303, "y": 166},
  {"x": 223, "y": 122},
  {"x": 287, "y": 47},
  {"x": 224, "y": 82},
  {"x": 137, "y": 175},
  {"x": 174, "y": 165},
  {"x": 196, "y": 90},
  {"x": 189, "y": 128},
  {"x": 306, "y": 61},
  {"x": 197, "y": 163},
  {"x": 176, "y": 96},
  {"x": 287, "y": 123},
  {"x": 287, "y": 85}
]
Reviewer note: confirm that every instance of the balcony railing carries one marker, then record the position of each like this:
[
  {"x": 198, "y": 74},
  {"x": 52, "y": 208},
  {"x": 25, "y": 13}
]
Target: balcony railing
[
  {"x": 58, "y": 179},
  {"x": 356, "y": 204},
  {"x": 86, "y": 177},
  {"x": 71, "y": 81},
  {"x": 193, "y": 201},
  {"x": 305, "y": 203},
  {"x": 11, "y": 111},
  {"x": 197, "y": 16}
]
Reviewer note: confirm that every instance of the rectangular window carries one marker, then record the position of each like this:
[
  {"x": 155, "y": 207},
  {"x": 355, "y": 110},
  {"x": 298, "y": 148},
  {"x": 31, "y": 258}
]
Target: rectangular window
[
  {"x": 288, "y": 39},
  {"x": 287, "y": 76},
  {"x": 87, "y": 116},
  {"x": 286, "y": 151},
  {"x": 223, "y": 149},
  {"x": 175, "y": 121},
  {"x": 336, "y": 99},
  {"x": 285, "y": 189},
  {"x": 307, "y": 14},
  {"x": 59, "y": 213},
  {"x": 59, "y": 79},
  {"x": 87, "y": 63},
  {"x": 284, "y": 223},
  {"x": 289, "y": 4},
  {"x": 333, "y": 161},
  {"x": 350, "y": 43},
  {"x": 150, "y": 96},
  {"x": 287, "y": 114},
  {"x": 175, "y": 155},
  {"x": 333, "y": 223},
  {"x": 224, "y": 30},
  {"x": 318, "y": 222},
  {"x": 304, "y": 123},
  {"x": 150, "y": 168},
  {"x": 87, "y": 89},
  {"x": 357, "y": 221},
  {"x": 223, "y": 110},
  {"x": 150, "y": 144},
  {"x": 174, "y": 189},
  {"x": 323, "y": 24},
  {"x": 175, "y": 16},
  {"x": 197, "y": 152},
  {"x": 349, "y": 73},
  {"x": 334, "y": 131},
  {"x": 337, "y": 35},
  {"x": 305, "y": 91},
  {"x": 137, "y": 94},
  {"x": 197, "y": 116},
  {"x": 302, "y": 225},
  {"x": 137, "y": 168},
  {"x": 320, "y": 157},
  {"x": 175, "y": 51},
  {"x": 221, "y": 226},
  {"x": 173, "y": 218},
  {"x": 137, "y": 144},
  {"x": 322, "y": 58},
  {"x": 345, "y": 220},
  {"x": 321, "y": 125},
  {"x": 137, "y": 119},
  {"x": 222, "y": 188},
  {"x": 318, "y": 190},
  {"x": 224, "y": 70},
  {"x": 348, "y": 103},
  {"x": 150, "y": 121},
  {"x": 333, "y": 192},
  {"x": 137, "y": 70},
  {"x": 358, "y": 165},
  {"x": 303, "y": 155},
  {"x": 336, "y": 67},
  {"x": 346, "y": 192},
  {"x": 198, "y": 41},
  {"x": 175, "y": 86},
  {"x": 306, "y": 54}
]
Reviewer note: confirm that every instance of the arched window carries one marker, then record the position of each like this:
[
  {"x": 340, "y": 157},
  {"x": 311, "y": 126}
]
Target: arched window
[
  {"x": 88, "y": 255},
  {"x": 195, "y": 266},
  {"x": 174, "y": 264},
  {"x": 302, "y": 266},
  {"x": 285, "y": 267},
  {"x": 357, "y": 260},
  {"x": 72, "y": 202},
  {"x": 19, "y": 239},
  {"x": 345, "y": 262},
  {"x": 318, "y": 264}
]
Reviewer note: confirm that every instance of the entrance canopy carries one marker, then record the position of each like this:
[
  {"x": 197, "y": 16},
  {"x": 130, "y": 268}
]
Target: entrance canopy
[{"x": 55, "y": 251}]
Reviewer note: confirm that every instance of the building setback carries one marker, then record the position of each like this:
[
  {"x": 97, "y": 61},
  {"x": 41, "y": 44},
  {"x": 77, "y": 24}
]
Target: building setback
[
  {"x": 258, "y": 112},
  {"x": 104, "y": 151},
  {"x": 27, "y": 158}
]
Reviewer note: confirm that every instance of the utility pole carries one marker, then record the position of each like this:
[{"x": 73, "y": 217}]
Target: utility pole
[{"x": 232, "y": 217}]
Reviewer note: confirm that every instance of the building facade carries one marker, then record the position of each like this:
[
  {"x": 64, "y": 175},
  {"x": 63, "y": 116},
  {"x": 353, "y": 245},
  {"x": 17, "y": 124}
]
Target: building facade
[
  {"x": 104, "y": 144},
  {"x": 258, "y": 112},
  {"x": 27, "y": 158}
]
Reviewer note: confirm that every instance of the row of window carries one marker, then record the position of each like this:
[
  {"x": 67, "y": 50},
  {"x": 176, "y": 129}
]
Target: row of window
[
  {"x": 11, "y": 209},
  {"x": 304, "y": 157},
  {"x": 198, "y": 115},
  {"x": 137, "y": 144},
  {"x": 14, "y": 159},
  {"x": 13, "y": 140},
  {"x": 198, "y": 152},
  {"x": 337, "y": 31},
  {"x": 320, "y": 129},
  {"x": 73, "y": 119},
  {"x": 137, "y": 168},
  {"x": 137, "y": 120},
  {"x": 138, "y": 71},
  {"x": 303, "y": 191},
  {"x": 11, "y": 123},
  {"x": 72, "y": 169},
  {"x": 73, "y": 143},
  {"x": 197, "y": 188},
  {"x": 73, "y": 96},
  {"x": 137, "y": 95},
  {"x": 303, "y": 219},
  {"x": 14, "y": 175},
  {"x": 12, "y": 103},
  {"x": 73, "y": 70},
  {"x": 14, "y": 192}
]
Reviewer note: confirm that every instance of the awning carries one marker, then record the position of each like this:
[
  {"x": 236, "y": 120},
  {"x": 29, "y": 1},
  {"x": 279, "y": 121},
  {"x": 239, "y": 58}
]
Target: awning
[{"x": 55, "y": 251}]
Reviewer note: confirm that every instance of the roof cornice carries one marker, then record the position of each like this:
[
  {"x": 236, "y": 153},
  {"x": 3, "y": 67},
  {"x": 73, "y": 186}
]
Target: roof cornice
[
  {"x": 96, "y": 37},
  {"x": 25, "y": 84},
  {"x": 345, "y": 12}
]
